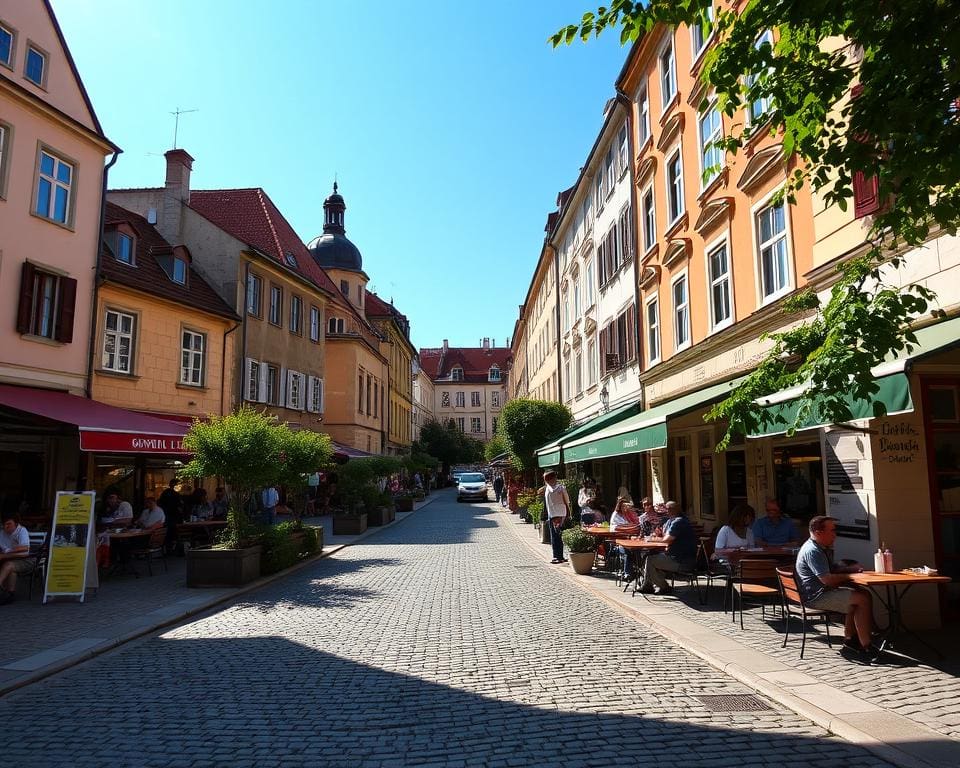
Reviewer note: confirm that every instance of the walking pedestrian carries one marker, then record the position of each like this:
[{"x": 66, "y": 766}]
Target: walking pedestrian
[
  {"x": 498, "y": 487},
  {"x": 558, "y": 508}
]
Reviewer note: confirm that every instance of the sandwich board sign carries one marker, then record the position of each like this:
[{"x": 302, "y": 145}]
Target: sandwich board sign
[{"x": 73, "y": 542}]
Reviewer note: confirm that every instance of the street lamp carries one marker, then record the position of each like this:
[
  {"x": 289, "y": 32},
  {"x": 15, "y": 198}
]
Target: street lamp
[{"x": 605, "y": 398}]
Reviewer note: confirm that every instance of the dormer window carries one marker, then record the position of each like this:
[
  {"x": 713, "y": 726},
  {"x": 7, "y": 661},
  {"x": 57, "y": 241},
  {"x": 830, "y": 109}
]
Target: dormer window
[
  {"x": 179, "y": 271},
  {"x": 124, "y": 248},
  {"x": 290, "y": 259},
  {"x": 494, "y": 374},
  {"x": 457, "y": 374},
  {"x": 345, "y": 288}
]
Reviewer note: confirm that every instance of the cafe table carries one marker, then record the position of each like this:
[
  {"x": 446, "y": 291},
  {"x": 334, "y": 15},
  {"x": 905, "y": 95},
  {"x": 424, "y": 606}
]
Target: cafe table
[
  {"x": 606, "y": 534},
  {"x": 889, "y": 589},
  {"x": 632, "y": 546},
  {"x": 126, "y": 541},
  {"x": 203, "y": 527}
]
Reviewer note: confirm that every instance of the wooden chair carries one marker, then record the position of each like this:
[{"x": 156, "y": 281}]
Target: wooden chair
[
  {"x": 794, "y": 605},
  {"x": 755, "y": 579},
  {"x": 154, "y": 550}
]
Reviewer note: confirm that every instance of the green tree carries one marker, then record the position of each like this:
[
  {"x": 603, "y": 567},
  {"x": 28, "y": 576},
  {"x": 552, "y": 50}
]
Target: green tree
[
  {"x": 449, "y": 445},
  {"x": 526, "y": 425},
  {"x": 495, "y": 446},
  {"x": 885, "y": 105}
]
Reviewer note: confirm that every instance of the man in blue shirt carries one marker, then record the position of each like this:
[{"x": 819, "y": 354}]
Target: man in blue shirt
[
  {"x": 774, "y": 530},
  {"x": 821, "y": 583},
  {"x": 681, "y": 552}
]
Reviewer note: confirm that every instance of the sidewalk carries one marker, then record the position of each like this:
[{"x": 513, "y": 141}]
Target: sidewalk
[
  {"x": 905, "y": 712},
  {"x": 39, "y": 640}
]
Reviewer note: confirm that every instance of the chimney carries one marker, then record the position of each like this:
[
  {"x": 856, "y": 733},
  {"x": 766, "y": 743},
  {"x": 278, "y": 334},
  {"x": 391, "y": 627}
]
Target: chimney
[
  {"x": 486, "y": 342},
  {"x": 176, "y": 193},
  {"x": 445, "y": 345}
]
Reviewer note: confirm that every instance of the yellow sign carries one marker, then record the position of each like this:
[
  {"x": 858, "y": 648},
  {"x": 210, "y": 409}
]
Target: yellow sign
[{"x": 72, "y": 544}]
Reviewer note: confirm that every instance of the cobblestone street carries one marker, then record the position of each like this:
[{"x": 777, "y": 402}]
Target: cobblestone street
[{"x": 438, "y": 641}]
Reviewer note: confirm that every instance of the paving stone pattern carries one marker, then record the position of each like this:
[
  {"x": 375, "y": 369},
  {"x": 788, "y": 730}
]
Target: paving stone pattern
[
  {"x": 437, "y": 642},
  {"x": 926, "y": 691}
]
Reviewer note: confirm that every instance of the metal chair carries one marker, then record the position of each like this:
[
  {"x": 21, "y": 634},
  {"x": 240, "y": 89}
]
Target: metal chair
[
  {"x": 712, "y": 569},
  {"x": 754, "y": 579},
  {"x": 154, "y": 550},
  {"x": 794, "y": 605}
]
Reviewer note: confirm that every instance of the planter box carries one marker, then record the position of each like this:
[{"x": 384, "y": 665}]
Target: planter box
[
  {"x": 349, "y": 525},
  {"x": 404, "y": 504},
  {"x": 223, "y": 567},
  {"x": 581, "y": 562},
  {"x": 381, "y": 516}
]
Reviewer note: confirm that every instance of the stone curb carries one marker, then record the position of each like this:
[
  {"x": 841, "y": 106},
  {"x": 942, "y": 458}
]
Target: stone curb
[
  {"x": 835, "y": 724},
  {"x": 70, "y": 661}
]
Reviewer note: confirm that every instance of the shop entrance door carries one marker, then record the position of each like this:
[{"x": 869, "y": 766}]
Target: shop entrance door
[{"x": 941, "y": 408}]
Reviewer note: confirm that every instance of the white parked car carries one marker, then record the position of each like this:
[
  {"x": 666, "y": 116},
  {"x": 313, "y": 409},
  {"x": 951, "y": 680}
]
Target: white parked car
[{"x": 472, "y": 486}]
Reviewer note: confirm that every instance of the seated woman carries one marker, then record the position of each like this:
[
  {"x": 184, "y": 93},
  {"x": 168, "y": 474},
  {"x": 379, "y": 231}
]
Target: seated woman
[
  {"x": 624, "y": 516},
  {"x": 738, "y": 532}
]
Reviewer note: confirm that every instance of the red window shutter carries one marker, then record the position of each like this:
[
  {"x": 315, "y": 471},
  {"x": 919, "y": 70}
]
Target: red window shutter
[
  {"x": 68, "y": 303},
  {"x": 25, "y": 307},
  {"x": 603, "y": 352},
  {"x": 866, "y": 197}
]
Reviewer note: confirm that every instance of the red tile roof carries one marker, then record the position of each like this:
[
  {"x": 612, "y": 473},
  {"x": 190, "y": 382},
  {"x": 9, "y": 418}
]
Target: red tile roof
[
  {"x": 476, "y": 362},
  {"x": 147, "y": 275}
]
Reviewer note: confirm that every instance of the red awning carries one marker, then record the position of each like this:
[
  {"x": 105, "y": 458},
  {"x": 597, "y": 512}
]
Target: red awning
[{"x": 102, "y": 427}]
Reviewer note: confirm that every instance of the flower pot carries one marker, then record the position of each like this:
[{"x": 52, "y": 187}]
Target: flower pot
[
  {"x": 349, "y": 525},
  {"x": 209, "y": 567},
  {"x": 581, "y": 562},
  {"x": 404, "y": 504},
  {"x": 380, "y": 516}
]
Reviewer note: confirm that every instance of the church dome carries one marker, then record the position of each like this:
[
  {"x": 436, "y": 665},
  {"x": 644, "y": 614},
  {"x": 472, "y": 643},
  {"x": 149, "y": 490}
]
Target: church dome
[{"x": 333, "y": 249}]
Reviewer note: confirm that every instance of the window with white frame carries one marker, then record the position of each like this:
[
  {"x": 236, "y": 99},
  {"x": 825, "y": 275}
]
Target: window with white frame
[
  {"x": 314, "y": 323},
  {"x": 566, "y": 313},
  {"x": 35, "y": 69},
  {"x": 444, "y": 399},
  {"x": 566, "y": 376},
  {"x": 718, "y": 264},
  {"x": 275, "y": 315},
  {"x": 701, "y": 32},
  {"x": 124, "y": 248},
  {"x": 296, "y": 314},
  {"x": 576, "y": 296},
  {"x": 295, "y": 390},
  {"x": 598, "y": 185},
  {"x": 118, "y": 338},
  {"x": 494, "y": 399},
  {"x": 623, "y": 149},
  {"x": 591, "y": 363},
  {"x": 711, "y": 154},
  {"x": 649, "y": 220},
  {"x": 761, "y": 106},
  {"x": 681, "y": 313},
  {"x": 588, "y": 283},
  {"x": 668, "y": 74},
  {"x": 54, "y": 188},
  {"x": 272, "y": 374},
  {"x": 6, "y": 46},
  {"x": 474, "y": 399},
  {"x": 586, "y": 211},
  {"x": 254, "y": 295},
  {"x": 675, "y": 203},
  {"x": 643, "y": 121},
  {"x": 315, "y": 394},
  {"x": 179, "y": 271},
  {"x": 460, "y": 421},
  {"x": 494, "y": 374},
  {"x": 475, "y": 424},
  {"x": 578, "y": 371},
  {"x": 335, "y": 325},
  {"x": 610, "y": 168},
  {"x": 254, "y": 372},
  {"x": 193, "y": 350},
  {"x": 625, "y": 228},
  {"x": 653, "y": 329},
  {"x": 774, "y": 257},
  {"x": 460, "y": 399},
  {"x": 457, "y": 374}
]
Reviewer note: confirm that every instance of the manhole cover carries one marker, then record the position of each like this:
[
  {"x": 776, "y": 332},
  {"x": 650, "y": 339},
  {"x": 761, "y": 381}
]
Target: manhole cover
[{"x": 733, "y": 703}]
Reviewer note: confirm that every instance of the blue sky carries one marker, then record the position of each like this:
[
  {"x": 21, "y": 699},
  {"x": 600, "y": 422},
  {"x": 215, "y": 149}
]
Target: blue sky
[{"x": 451, "y": 127}]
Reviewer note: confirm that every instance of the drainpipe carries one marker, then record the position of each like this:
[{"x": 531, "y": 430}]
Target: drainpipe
[
  {"x": 634, "y": 203},
  {"x": 243, "y": 334},
  {"x": 223, "y": 363},
  {"x": 88, "y": 387},
  {"x": 559, "y": 333}
]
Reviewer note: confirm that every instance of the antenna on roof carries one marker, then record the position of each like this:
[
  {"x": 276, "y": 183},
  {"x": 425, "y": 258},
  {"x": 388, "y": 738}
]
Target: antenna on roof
[{"x": 176, "y": 122}]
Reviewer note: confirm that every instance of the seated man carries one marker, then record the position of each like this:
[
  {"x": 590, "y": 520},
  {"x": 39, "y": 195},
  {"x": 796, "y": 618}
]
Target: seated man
[
  {"x": 681, "y": 552},
  {"x": 151, "y": 517},
  {"x": 15, "y": 543},
  {"x": 116, "y": 512},
  {"x": 651, "y": 518},
  {"x": 821, "y": 583},
  {"x": 774, "y": 530}
]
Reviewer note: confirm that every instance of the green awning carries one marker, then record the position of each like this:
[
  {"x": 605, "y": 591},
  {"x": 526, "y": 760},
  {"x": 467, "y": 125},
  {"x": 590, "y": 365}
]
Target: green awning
[
  {"x": 549, "y": 455},
  {"x": 645, "y": 431},
  {"x": 551, "y": 459},
  {"x": 891, "y": 377}
]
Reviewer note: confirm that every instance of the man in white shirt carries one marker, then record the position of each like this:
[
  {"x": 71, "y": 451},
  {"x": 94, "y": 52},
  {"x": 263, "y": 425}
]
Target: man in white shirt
[
  {"x": 117, "y": 512},
  {"x": 270, "y": 498},
  {"x": 14, "y": 546},
  {"x": 558, "y": 507},
  {"x": 151, "y": 517}
]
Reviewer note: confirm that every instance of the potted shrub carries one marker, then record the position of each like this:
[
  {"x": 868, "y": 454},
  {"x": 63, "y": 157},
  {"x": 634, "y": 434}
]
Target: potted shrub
[
  {"x": 582, "y": 548},
  {"x": 249, "y": 451},
  {"x": 403, "y": 501},
  {"x": 356, "y": 483},
  {"x": 525, "y": 498},
  {"x": 379, "y": 506}
]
